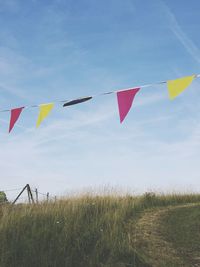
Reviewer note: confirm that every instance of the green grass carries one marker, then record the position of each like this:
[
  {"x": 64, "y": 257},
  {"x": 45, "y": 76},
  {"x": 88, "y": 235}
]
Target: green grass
[
  {"x": 92, "y": 231},
  {"x": 181, "y": 227}
]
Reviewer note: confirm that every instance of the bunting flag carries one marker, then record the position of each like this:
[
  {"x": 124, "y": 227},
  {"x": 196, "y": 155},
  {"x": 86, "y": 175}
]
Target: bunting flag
[
  {"x": 125, "y": 100},
  {"x": 44, "y": 112},
  {"x": 77, "y": 101},
  {"x": 14, "y": 116},
  {"x": 176, "y": 87}
]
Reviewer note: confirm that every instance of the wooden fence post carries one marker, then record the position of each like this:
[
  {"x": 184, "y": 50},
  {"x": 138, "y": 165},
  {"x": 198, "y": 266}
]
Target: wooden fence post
[
  {"x": 47, "y": 196},
  {"x": 36, "y": 195},
  {"x": 30, "y": 193},
  {"x": 25, "y": 187}
]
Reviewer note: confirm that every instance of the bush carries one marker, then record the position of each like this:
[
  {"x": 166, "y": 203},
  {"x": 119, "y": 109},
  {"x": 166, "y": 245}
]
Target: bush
[{"x": 3, "y": 197}]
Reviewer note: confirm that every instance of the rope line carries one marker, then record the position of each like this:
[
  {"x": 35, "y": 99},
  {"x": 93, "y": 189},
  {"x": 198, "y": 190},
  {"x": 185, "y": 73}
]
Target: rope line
[{"x": 96, "y": 95}]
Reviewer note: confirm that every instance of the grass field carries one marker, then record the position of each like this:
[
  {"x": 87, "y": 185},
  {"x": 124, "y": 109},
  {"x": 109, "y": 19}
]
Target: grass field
[{"x": 102, "y": 231}]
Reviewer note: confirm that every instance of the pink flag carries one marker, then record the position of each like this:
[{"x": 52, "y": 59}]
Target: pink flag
[
  {"x": 15, "y": 113},
  {"x": 125, "y": 100}
]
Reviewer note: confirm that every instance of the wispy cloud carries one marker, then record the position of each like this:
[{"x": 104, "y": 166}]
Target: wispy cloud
[
  {"x": 189, "y": 45},
  {"x": 13, "y": 64},
  {"x": 85, "y": 147}
]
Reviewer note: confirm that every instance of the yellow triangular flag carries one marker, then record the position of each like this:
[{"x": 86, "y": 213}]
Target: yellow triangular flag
[
  {"x": 44, "y": 112},
  {"x": 175, "y": 87}
]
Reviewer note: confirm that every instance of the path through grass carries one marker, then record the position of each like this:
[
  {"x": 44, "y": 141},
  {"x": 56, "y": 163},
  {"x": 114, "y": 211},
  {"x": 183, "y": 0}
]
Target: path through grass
[
  {"x": 95, "y": 231},
  {"x": 170, "y": 236}
]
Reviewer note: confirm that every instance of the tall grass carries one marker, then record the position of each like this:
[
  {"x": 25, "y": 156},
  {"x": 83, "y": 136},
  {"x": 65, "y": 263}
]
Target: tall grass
[{"x": 92, "y": 231}]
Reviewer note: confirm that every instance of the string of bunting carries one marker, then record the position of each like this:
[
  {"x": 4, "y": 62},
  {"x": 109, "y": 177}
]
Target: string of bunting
[{"x": 125, "y": 99}]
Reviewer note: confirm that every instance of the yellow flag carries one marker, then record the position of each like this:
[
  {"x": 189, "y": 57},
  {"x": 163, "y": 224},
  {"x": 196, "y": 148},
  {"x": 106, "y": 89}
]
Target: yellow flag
[
  {"x": 175, "y": 87},
  {"x": 44, "y": 112}
]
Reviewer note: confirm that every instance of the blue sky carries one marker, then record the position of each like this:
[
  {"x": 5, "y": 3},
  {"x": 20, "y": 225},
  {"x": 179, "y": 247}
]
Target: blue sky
[{"x": 55, "y": 50}]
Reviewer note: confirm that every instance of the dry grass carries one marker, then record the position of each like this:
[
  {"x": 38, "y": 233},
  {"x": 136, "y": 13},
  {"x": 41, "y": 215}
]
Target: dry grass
[{"x": 92, "y": 231}]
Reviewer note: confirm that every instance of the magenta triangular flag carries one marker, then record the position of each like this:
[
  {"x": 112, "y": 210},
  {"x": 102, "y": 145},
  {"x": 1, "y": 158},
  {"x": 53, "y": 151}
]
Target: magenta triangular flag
[
  {"x": 125, "y": 100},
  {"x": 15, "y": 113}
]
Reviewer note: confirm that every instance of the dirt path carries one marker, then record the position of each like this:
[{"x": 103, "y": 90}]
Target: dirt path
[{"x": 149, "y": 242}]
